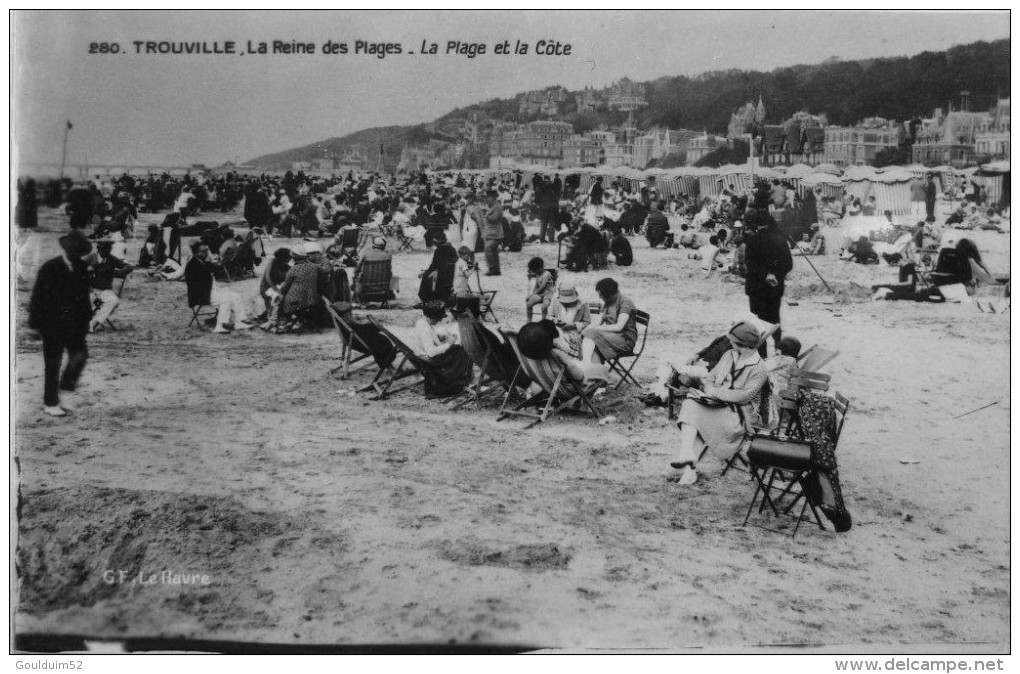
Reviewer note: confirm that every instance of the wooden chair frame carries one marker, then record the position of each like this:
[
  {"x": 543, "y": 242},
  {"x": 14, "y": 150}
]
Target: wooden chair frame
[
  {"x": 408, "y": 365},
  {"x": 558, "y": 392},
  {"x": 486, "y": 298},
  {"x": 478, "y": 343},
  {"x": 350, "y": 342},
  {"x": 789, "y": 479},
  {"x": 197, "y": 314}
]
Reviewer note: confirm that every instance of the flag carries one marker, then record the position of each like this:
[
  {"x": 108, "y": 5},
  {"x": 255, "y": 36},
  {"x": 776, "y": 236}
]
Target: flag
[{"x": 69, "y": 125}]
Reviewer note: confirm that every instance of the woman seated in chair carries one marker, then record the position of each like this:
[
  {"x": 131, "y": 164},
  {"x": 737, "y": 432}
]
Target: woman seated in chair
[
  {"x": 617, "y": 333},
  {"x": 449, "y": 366},
  {"x": 718, "y": 409}
]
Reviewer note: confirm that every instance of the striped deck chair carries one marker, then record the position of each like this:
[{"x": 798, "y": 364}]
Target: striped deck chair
[
  {"x": 350, "y": 342},
  {"x": 408, "y": 364},
  {"x": 559, "y": 389},
  {"x": 372, "y": 284},
  {"x": 495, "y": 371}
]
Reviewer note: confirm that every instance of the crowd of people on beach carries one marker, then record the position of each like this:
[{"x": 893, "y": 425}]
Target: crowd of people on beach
[{"x": 341, "y": 232}]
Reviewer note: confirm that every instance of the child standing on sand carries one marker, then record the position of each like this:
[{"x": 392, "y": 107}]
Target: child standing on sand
[{"x": 709, "y": 254}]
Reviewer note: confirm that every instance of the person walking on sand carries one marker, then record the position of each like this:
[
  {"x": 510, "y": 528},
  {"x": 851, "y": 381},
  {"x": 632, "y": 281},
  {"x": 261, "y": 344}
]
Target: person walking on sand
[
  {"x": 59, "y": 312},
  {"x": 492, "y": 234},
  {"x": 768, "y": 262}
]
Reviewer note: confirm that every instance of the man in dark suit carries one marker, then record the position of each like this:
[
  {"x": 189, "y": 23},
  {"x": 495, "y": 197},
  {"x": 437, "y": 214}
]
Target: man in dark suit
[
  {"x": 437, "y": 280},
  {"x": 930, "y": 194},
  {"x": 768, "y": 262},
  {"x": 59, "y": 312},
  {"x": 203, "y": 290}
]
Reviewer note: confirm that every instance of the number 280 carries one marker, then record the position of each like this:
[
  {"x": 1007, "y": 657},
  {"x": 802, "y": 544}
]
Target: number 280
[{"x": 104, "y": 48}]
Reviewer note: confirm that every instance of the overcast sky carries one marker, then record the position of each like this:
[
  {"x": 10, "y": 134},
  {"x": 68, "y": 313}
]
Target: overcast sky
[{"x": 183, "y": 109}]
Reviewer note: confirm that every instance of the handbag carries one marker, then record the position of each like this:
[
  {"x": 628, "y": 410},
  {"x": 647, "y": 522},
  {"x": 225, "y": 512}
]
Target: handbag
[{"x": 780, "y": 452}]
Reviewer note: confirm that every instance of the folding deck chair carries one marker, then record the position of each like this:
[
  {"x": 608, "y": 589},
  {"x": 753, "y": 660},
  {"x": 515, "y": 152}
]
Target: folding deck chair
[
  {"x": 408, "y": 364},
  {"x": 486, "y": 297},
  {"x": 495, "y": 370},
  {"x": 350, "y": 342},
  {"x": 616, "y": 363},
  {"x": 198, "y": 317},
  {"x": 783, "y": 463},
  {"x": 96, "y": 303},
  {"x": 559, "y": 389},
  {"x": 815, "y": 358},
  {"x": 372, "y": 284},
  {"x": 404, "y": 242},
  {"x": 787, "y": 404}
]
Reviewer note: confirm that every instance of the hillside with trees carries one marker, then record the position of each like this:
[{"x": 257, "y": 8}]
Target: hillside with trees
[{"x": 847, "y": 91}]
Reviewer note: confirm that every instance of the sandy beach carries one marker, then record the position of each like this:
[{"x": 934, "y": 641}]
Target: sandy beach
[{"x": 318, "y": 516}]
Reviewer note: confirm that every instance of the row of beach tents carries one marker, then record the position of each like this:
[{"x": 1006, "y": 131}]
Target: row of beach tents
[{"x": 891, "y": 186}]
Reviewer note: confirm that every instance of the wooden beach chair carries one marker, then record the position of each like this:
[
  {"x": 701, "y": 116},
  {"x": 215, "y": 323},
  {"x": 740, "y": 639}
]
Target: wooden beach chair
[
  {"x": 788, "y": 424},
  {"x": 616, "y": 364},
  {"x": 372, "y": 283},
  {"x": 199, "y": 317},
  {"x": 558, "y": 389},
  {"x": 486, "y": 297},
  {"x": 350, "y": 342},
  {"x": 815, "y": 358},
  {"x": 408, "y": 364},
  {"x": 781, "y": 464},
  {"x": 495, "y": 371}
]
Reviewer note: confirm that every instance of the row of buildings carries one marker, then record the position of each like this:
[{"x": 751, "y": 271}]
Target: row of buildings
[
  {"x": 625, "y": 95},
  {"x": 554, "y": 144},
  {"x": 476, "y": 140}
]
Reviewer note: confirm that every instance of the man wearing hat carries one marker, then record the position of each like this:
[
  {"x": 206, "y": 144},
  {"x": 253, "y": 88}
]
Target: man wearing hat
[
  {"x": 492, "y": 234},
  {"x": 203, "y": 289},
  {"x": 59, "y": 312},
  {"x": 105, "y": 266},
  {"x": 768, "y": 262}
]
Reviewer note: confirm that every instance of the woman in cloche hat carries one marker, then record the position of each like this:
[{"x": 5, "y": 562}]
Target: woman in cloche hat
[{"x": 720, "y": 401}]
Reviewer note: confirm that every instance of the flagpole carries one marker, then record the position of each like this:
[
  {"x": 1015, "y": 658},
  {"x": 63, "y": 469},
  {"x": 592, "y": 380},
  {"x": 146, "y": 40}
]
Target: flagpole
[{"x": 63, "y": 154}]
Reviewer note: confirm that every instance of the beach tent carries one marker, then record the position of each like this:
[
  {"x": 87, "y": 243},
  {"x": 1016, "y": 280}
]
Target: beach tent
[
  {"x": 791, "y": 174},
  {"x": 828, "y": 168},
  {"x": 798, "y": 171},
  {"x": 675, "y": 181},
  {"x": 890, "y": 187},
  {"x": 828, "y": 184},
  {"x": 738, "y": 176},
  {"x": 994, "y": 179},
  {"x": 770, "y": 172}
]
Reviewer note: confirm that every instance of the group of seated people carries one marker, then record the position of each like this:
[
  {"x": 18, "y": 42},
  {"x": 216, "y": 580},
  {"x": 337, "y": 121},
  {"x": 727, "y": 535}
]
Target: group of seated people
[
  {"x": 923, "y": 274},
  {"x": 581, "y": 344},
  {"x": 292, "y": 285}
]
